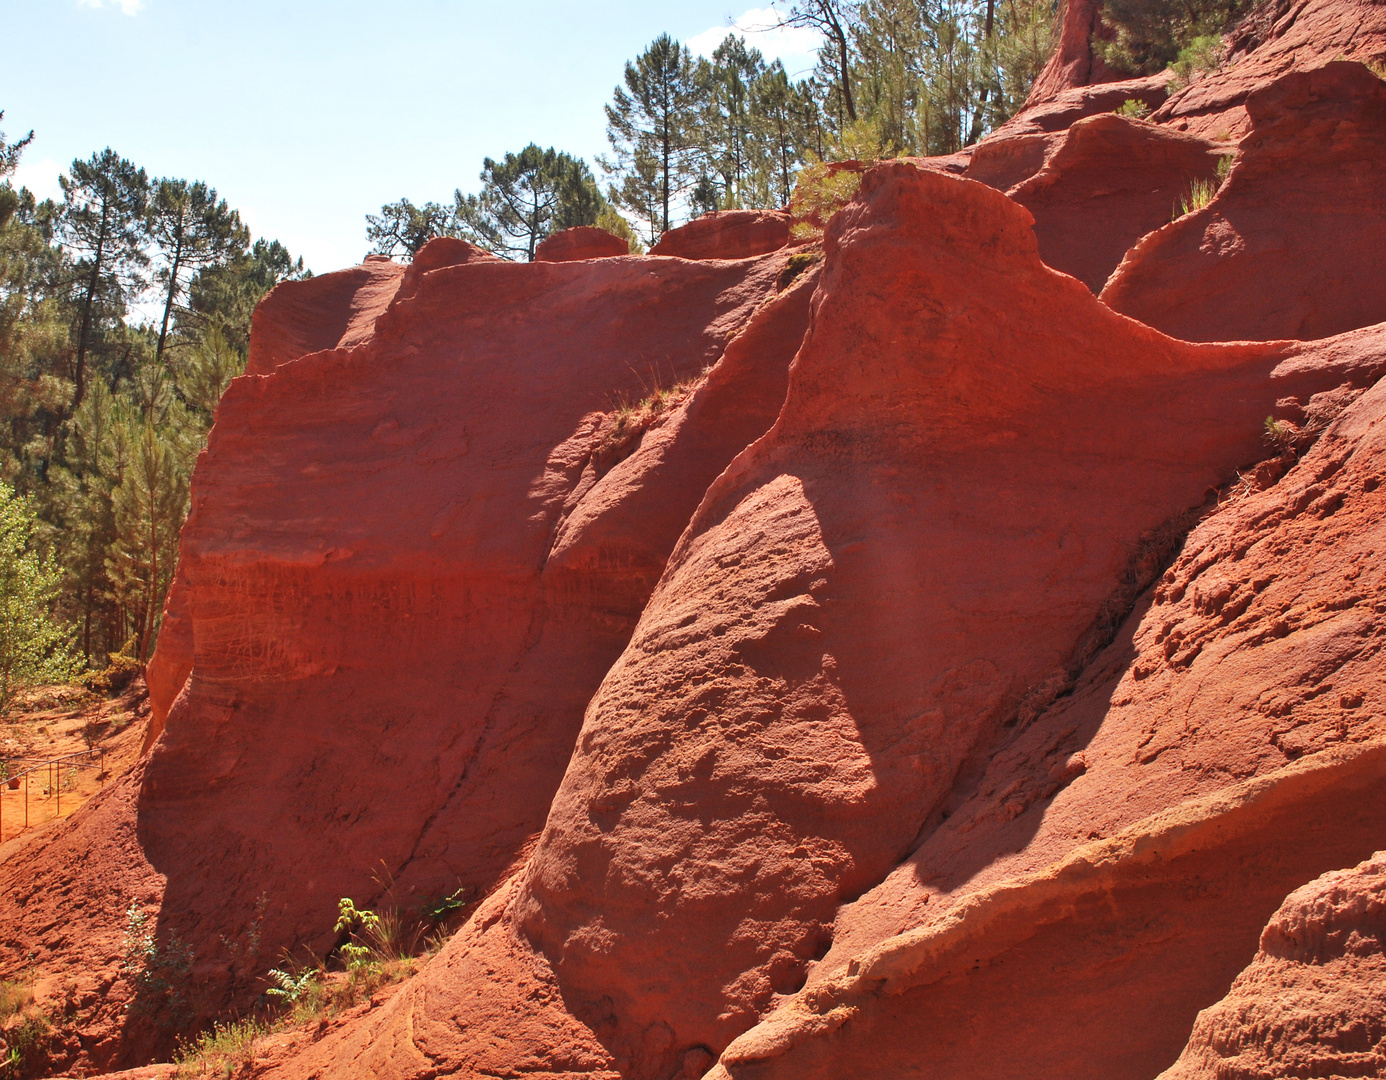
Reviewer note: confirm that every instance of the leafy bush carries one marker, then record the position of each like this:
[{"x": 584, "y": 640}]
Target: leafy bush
[
  {"x": 159, "y": 972},
  {"x": 34, "y": 649},
  {"x": 120, "y": 671},
  {"x": 289, "y": 987},
  {"x": 1133, "y": 109},
  {"x": 1202, "y": 54}
]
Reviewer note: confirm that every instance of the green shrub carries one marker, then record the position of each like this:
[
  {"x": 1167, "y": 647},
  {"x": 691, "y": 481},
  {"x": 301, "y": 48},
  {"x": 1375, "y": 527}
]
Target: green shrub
[
  {"x": 120, "y": 671},
  {"x": 1133, "y": 109},
  {"x": 159, "y": 972},
  {"x": 34, "y": 649},
  {"x": 1147, "y": 36},
  {"x": 1202, "y": 54}
]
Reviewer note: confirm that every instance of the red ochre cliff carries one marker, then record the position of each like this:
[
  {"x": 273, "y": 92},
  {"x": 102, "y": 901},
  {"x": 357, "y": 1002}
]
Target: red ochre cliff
[{"x": 892, "y": 655}]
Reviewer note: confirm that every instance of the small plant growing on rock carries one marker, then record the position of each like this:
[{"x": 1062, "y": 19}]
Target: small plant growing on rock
[
  {"x": 359, "y": 923},
  {"x": 444, "y": 908},
  {"x": 24, "y": 1043},
  {"x": 797, "y": 264},
  {"x": 1283, "y": 437},
  {"x": 1202, "y": 54},
  {"x": 289, "y": 988},
  {"x": 1201, "y": 193},
  {"x": 91, "y": 732},
  {"x": 1133, "y": 109},
  {"x": 159, "y": 972},
  {"x": 223, "y": 1051}
]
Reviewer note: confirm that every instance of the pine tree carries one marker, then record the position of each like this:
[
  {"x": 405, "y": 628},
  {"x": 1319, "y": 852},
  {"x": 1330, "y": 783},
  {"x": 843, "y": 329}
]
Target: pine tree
[
  {"x": 832, "y": 19},
  {"x": 10, "y": 154},
  {"x": 524, "y": 198},
  {"x": 105, "y": 203},
  {"x": 401, "y": 228},
  {"x": 725, "y": 122},
  {"x": 191, "y": 229},
  {"x": 222, "y": 297},
  {"x": 80, "y": 492},
  {"x": 648, "y": 124},
  {"x": 149, "y": 503},
  {"x": 782, "y": 139}
]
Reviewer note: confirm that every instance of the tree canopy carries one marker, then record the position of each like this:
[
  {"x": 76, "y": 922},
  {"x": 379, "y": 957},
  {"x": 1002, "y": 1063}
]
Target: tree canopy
[
  {"x": 525, "y": 197},
  {"x": 102, "y": 414}
]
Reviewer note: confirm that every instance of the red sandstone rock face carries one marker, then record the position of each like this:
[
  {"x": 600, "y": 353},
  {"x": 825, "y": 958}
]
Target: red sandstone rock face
[
  {"x": 326, "y": 312},
  {"x": 1244, "y": 267},
  {"x": 407, "y": 567},
  {"x": 1104, "y": 185},
  {"x": 581, "y": 242},
  {"x": 1238, "y": 693},
  {"x": 864, "y": 599},
  {"x": 1277, "y": 38},
  {"x": 727, "y": 234},
  {"x": 1073, "y": 64},
  {"x": 859, "y": 789},
  {"x": 1313, "y": 1002}
]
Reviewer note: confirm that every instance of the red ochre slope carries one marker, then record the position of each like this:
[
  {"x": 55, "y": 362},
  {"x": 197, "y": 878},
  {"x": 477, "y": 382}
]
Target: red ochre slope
[
  {"x": 406, "y": 569},
  {"x": 918, "y": 554},
  {"x": 375, "y": 637},
  {"x": 1109, "y": 871}
]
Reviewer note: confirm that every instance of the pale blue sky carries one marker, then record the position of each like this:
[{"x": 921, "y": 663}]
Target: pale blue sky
[{"x": 308, "y": 114}]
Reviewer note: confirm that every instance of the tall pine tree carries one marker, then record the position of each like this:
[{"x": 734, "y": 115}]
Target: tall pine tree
[
  {"x": 649, "y": 124},
  {"x": 191, "y": 229},
  {"x": 106, "y": 200}
]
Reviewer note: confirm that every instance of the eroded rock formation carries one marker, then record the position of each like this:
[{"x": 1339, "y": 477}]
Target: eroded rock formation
[
  {"x": 1291, "y": 245},
  {"x": 881, "y": 657},
  {"x": 1313, "y": 1001}
]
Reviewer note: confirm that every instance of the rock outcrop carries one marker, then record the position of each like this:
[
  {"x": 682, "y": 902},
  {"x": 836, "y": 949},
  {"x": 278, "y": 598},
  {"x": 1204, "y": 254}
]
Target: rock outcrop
[
  {"x": 330, "y": 311},
  {"x": 580, "y": 242},
  {"x": 406, "y": 569},
  {"x": 1252, "y": 662},
  {"x": 1106, "y": 183},
  {"x": 1277, "y": 37},
  {"x": 1313, "y": 1002},
  {"x": 878, "y": 656},
  {"x": 727, "y": 234},
  {"x": 829, "y": 654},
  {"x": 1291, "y": 245}
]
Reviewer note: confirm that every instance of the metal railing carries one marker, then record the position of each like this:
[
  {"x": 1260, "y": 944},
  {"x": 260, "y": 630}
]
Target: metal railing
[{"x": 94, "y": 758}]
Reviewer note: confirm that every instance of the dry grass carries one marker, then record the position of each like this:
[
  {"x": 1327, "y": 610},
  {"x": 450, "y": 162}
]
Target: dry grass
[
  {"x": 1201, "y": 193},
  {"x": 222, "y": 1052},
  {"x": 14, "y": 998}
]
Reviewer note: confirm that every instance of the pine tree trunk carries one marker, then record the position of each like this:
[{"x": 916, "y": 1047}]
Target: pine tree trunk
[
  {"x": 172, "y": 292},
  {"x": 79, "y": 375}
]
